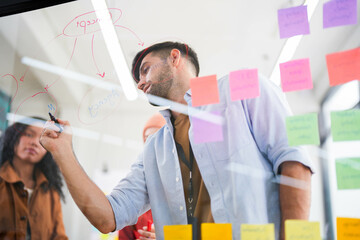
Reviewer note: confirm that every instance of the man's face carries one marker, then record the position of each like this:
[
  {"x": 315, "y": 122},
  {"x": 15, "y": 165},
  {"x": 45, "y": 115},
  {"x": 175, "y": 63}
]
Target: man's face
[{"x": 156, "y": 77}]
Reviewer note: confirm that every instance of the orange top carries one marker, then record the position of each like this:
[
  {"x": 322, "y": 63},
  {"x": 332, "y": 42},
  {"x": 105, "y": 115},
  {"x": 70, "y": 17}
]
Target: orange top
[{"x": 43, "y": 213}]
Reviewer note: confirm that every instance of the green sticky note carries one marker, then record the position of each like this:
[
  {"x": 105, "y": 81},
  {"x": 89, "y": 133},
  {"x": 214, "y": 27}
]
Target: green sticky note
[
  {"x": 348, "y": 173},
  {"x": 345, "y": 125},
  {"x": 303, "y": 130},
  {"x": 302, "y": 230},
  {"x": 257, "y": 231}
]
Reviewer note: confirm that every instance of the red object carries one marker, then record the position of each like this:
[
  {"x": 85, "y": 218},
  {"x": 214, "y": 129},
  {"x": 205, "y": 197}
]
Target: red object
[
  {"x": 137, "y": 234},
  {"x": 131, "y": 232},
  {"x": 149, "y": 223}
]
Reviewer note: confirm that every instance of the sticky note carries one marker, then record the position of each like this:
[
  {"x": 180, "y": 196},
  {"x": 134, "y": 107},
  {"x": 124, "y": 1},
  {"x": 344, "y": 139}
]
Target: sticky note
[
  {"x": 348, "y": 228},
  {"x": 303, "y": 129},
  {"x": 339, "y": 13},
  {"x": 345, "y": 125},
  {"x": 212, "y": 231},
  {"x": 348, "y": 173},
  {"x": 206, "y": 131},
  {"x": 257, "y": 231},
  {"x": 293, "y": 21},
  {"x": 244, "y": 84},
  {"x": 178, "y": 232},
  {"x": 296, "y": 75},
  {"x": 343, "y": 66},
  {"x": 302, "y": 229},
  {"x": 204, "y": 90}
]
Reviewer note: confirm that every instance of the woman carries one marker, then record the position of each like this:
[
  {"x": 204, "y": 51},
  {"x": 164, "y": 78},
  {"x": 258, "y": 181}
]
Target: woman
[{"x": 30, "y": 186}]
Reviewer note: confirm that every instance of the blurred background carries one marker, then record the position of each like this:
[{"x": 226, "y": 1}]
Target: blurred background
[{"x": 56, "y": 59}]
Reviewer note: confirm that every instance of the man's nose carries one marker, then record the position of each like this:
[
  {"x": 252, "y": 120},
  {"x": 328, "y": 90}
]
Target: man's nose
[{"x": 141, "y": 83}]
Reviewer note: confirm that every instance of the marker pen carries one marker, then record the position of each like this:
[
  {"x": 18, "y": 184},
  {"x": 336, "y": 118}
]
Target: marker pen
[
  {"x": 56, "y": 122},
  {"x": 149, "y": 223}
]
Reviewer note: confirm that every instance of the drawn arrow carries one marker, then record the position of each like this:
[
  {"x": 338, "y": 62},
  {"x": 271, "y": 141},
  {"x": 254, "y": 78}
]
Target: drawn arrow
[
  {"x": 67, "y": 65},
  {"x": 141, "y": 43},
  {"x": 92, "y": 51}
]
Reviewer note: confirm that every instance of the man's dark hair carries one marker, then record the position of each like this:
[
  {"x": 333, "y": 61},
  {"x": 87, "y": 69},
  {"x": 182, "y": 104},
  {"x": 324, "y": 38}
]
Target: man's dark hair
[
  {"x": 163, "y": 49},
  {"x": 47, "y": 164}
]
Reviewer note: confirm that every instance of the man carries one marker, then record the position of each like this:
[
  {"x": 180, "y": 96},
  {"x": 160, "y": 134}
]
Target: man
[{"x": 254, "y": 140}]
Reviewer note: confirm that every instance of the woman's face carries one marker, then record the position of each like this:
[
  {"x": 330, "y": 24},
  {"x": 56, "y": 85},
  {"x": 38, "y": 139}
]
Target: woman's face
[{"x": 29, "y": 149}]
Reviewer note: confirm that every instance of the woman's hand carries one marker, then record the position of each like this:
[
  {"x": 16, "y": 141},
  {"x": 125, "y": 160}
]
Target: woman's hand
[{"x": 146, "y": 235}]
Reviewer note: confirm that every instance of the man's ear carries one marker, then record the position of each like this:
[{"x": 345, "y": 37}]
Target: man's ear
[{"x": 175, "y": 57}]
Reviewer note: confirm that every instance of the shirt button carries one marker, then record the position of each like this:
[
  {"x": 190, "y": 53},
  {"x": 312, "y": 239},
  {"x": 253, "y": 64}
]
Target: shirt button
[
  {"x": 23, "y": 218},
  {"x": 177, "y": 179},
  {"x": 181, "y": 208},
  {"x": 173, "y": 151}
]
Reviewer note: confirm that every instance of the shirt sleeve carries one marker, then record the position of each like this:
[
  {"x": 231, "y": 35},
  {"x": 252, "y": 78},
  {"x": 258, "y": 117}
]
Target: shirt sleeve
[
  {"x": 129, "y": 199},
  {"x": 266, "y": 117}
]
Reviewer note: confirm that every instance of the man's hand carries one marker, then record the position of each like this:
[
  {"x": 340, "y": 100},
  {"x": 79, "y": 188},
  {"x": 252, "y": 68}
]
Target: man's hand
[
  {"x": 88, "y": 197},
  {"x": 146, "y": 235},
  {"x": 54, "y": 141}
]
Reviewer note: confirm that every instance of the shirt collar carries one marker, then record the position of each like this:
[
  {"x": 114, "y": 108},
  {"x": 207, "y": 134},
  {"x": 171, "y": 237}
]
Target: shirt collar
[{"x": 166, "y": 112}]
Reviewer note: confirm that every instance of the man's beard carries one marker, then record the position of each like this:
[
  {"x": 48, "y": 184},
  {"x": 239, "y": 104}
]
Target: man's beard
[{"x": 162, "y": 87}]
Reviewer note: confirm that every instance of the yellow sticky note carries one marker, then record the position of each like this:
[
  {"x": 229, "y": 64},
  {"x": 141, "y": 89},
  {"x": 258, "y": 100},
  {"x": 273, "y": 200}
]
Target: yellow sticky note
[
  {"x": 216, "y": 231},
  {"x": 302, "y": 229},
  {"x": 258, "y": 231},
  {"x": 178, "y": 232},
  {"x": 348, "y": 228}
]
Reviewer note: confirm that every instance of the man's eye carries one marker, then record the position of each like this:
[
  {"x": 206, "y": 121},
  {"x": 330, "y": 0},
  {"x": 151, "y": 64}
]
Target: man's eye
[{"x": 145, "y": 70}]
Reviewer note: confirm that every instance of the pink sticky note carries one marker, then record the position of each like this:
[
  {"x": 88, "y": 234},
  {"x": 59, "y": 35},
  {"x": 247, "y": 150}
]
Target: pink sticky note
[
  {"x": 296, "y": 75},
  {"x": 244, "y": 84},
  {"x": 204, "y": 90},
  {"x": 206, "y": 131},
  {"x": 293, "y": 21},
  {"x": 339, "y": 13}
]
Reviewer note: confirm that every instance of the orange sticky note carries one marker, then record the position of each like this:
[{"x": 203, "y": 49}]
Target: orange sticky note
[
  {"x": 215, "y": 231},
  {"x": 348, "y": 228},
  {"x": 204, "y": 90},
  {"x": 178, "y": 232},
  {"x": 343, "y": 66}
]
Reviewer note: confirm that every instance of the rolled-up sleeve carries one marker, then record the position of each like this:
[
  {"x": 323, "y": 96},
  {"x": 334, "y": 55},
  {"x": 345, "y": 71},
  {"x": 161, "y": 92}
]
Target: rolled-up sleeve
[
  {"x": 267, "y": 120},
  {"x": 129, "y": 199}
]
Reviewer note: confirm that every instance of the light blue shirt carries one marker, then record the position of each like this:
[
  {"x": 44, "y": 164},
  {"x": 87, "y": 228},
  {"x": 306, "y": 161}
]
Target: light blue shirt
[{"x": 239, "y": 172}]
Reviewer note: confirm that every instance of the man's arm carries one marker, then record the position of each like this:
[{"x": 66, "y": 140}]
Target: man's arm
[
  {"x": 294, "y": 202},
  {"x": 89, "y": 197}
]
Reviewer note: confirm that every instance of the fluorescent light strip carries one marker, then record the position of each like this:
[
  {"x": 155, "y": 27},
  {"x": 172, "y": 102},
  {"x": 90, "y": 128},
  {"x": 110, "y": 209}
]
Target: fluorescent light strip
[
  {"x": 80, "y": 132},
  {"x": 114, "y": 49},
  {"x": 263, "y": 174},
  {"x": 291, "y": 45},
  {"x": 184, "y": 109},
  {"x": 69, "y": 74}
]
